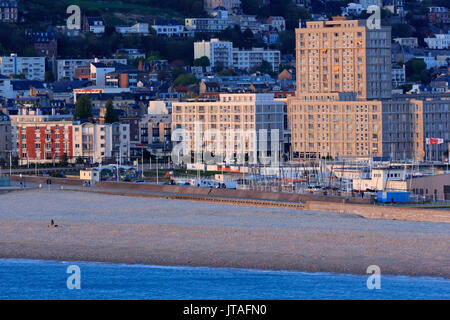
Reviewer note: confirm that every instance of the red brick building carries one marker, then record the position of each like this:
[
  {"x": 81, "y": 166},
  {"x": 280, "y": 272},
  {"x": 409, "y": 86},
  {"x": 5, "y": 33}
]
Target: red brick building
[
  {"x": 44, "y": 142},
  {"x": 438, "y": 15},
  {"x": 45, "y": 43}
]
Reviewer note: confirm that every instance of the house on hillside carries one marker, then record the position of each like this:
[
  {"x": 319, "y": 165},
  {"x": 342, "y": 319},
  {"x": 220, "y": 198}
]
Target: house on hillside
[{"x": 94, "y": 24}]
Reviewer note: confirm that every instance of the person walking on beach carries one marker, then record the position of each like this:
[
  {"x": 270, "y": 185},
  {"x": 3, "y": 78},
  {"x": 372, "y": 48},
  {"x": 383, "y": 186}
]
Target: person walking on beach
[{"x": 52, "y": 224}]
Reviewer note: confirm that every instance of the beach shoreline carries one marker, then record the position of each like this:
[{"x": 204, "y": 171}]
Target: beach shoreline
[{"x": 159, "y": 232}]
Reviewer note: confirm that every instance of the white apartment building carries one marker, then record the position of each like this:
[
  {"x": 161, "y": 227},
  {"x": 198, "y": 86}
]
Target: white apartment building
[
  {"x": 5, "y": 87},
  {"x": 247, "y": 59},
  {"x": 97, "y": 142},
  {"x": 248, "y": 22},
  {"x": 277, "y": 23},
  {"x": 411, "y": 42},
  {"x": 94, "y": 24},
  {"x": 222, "y": 53},
  {"x": 172, "y": 30},
  {"x": 32, "y": 67},
  {"x": 66, "y": 67},
  {"x": 218, "y": 52},
  {"x": 440, "y": 41},
  {"x": 207, "y": 25},
  {"x": 138, "y": 28},
  {"x": 398, "y": 75},
  {"x": 98, "y": 72}
]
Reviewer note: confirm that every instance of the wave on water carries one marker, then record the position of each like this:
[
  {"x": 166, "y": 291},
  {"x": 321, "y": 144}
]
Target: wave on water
[{"x": 204, "y": 268}]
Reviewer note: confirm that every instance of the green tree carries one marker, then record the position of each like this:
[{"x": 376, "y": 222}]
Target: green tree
[
  {"x": 185, "y": 80},
  {"x": 83, "y": 108},
  {"x": 401, "y": 30},
  {"x": 163, "y": 75},
  {"x": 416, "y": 70},
  {"x": 64, "y": 160},
  {"x": 18, "y": 76},
  {"x": 110, "y": 115},
  {"x": 226, "y": 73},
  {"x": 49, "y": 76},
  {"x": 250, "y": 6},
  {"x": 265, "y": 67},
  {"x": 202, "y": 62},
  {"x": 406, "y": 87},
  {"x": 153, "y": 55},
  {"x": 286, "y": 41}
]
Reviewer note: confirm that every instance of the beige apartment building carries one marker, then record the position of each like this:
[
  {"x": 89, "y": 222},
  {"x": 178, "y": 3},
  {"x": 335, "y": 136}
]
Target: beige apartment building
[
  {"x": 344, "y": 107},
  {"x": 344, "y": 56},
  {"x": 330, "y": 125},
  {"x": 409, "y": 121},
  {"x": 230, "y": 126},
  {"x": 335, "y": 125}
]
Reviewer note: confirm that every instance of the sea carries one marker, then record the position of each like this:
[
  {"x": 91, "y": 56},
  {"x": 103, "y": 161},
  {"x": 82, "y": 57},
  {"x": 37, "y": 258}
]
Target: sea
[{"x": 42, "y": 280}]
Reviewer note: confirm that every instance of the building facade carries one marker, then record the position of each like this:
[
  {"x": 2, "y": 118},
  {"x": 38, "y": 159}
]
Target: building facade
[
  {"x": 33, "y": 68},
  {"x": 95, "y": 25},
  {"x": 440, "y": 41},
  {"x": 100, "y": 143},
  {"x": 66, "y": 67},
  {"x": 247, "y": 59},
  {"x": 409, "y": 121},
  {"x": 207, "y": 25},
  {"x": 398, "y": 75},
  {"x": 156, "y": 133},
  {"x": 5, "y": 136},
  {"x": 344, "y": 56},
  {"x": 411, "y": 42},
  {"x": 138, "y": 28},
  {"x": 39, "y": 138},
  {"x": 438, "y": 15},
  {"x": 45, "y": 43},
  {"x": 230, "y": 127},
  {"x": 229, "y": 5},
  {"x": 276, "y": 23},
  {"x": 222, "y": 53},
  {"x": 327, "y": 125},
  {"x": 9, "y": 11},
  {"x": 171, "y": 28}
]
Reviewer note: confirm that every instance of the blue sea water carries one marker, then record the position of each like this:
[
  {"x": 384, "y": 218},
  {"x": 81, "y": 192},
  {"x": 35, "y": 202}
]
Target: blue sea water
[{"x": 35, "y": 279}]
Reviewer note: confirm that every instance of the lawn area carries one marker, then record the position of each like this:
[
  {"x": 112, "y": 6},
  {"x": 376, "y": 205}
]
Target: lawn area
[{"x": 119, "y": 7}]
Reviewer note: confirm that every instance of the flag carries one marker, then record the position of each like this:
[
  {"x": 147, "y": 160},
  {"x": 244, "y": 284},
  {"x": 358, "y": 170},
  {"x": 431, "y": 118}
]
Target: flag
[{"x": 435, "y": 141}]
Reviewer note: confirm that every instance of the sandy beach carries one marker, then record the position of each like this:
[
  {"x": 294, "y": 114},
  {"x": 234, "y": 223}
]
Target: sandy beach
[{"x": 118, "y": 229}]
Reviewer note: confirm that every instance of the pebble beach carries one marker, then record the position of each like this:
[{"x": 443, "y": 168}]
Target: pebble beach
[{"x": 121, "y": 229}]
